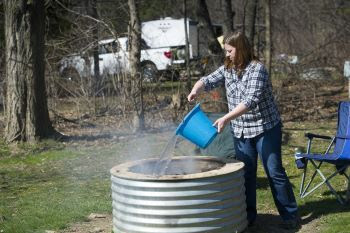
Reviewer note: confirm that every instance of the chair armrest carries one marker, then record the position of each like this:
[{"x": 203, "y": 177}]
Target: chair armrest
[{"x": 311, "y": 136}]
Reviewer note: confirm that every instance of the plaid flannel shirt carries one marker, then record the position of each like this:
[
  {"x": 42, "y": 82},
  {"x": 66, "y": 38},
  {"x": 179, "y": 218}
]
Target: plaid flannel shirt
[{"x": 252, "y": 88}]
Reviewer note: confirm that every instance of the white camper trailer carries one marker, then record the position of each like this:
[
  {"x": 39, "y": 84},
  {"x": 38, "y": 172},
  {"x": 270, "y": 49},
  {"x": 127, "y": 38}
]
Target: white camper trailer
[
  {"x": 169, "y": 32},
  {"x": 163, "y": 49}
]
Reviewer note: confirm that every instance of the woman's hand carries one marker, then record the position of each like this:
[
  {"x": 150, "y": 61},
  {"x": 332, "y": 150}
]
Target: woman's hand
[
  {"x": 239, "y": 110},
  {"x": 221, "y": 123},
  {"x": 192, "y": 96},
  {"x": 197, "y": 88}
]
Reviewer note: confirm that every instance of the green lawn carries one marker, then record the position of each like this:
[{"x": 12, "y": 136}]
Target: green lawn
[
  {"x": 321, "y": 205},
  {"x": 47, "y": 190}
]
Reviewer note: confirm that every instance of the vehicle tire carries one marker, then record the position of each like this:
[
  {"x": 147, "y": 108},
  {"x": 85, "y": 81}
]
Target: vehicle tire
[{"x": 149, "y": 72}]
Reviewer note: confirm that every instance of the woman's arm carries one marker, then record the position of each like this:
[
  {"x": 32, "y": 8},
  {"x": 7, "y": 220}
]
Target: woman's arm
[
  {"x": 207, "y": 83},
  {"x": 197, "y": 88},
  {"x": 239, "y": 110}
]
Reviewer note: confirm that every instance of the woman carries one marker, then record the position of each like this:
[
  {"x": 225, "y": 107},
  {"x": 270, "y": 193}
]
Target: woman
[{"x": 255, "y": 124}]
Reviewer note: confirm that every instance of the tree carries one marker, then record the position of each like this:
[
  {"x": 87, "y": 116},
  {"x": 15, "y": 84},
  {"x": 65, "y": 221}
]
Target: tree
[
  {"x": 2, "y": 57},
  {"x": 188, "y": 83},
  {"x": 229, "y": 15},
  {"x": 214, "y": 47},
  {"x": 249, "y": 19},
  {"x": 205, "y": 22},
  {"x": 134, "y": 58},
  {"x": 27, "y": 116},
  {"x": 267, "y": 4},
  {"x": 91, "y": 8}
]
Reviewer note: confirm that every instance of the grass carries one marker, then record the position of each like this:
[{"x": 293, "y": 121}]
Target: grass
[
  {"x": 322, "y": 204},
  {"x": 47, "y": 190}
]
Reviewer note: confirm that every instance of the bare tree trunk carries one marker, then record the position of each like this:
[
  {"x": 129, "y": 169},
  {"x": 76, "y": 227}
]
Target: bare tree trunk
[
  {"x": 214, "y": 48},
  {"x": 268, "y": 35},
  {"x": 204, "y": 20},
  {"x": 134, "y": 58},
  {"x": 188, "y": 83},
  {"x": 249, "y": 20},
  {"x": 92, "y": 11},
  {"x": 93, "y": 86},
  {"x": 27, "y": 116},
  {"x": 229, "y": 15}
]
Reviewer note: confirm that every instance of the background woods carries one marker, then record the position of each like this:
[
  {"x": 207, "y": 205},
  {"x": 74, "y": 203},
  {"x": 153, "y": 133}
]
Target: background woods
[{"x": 301, "y": 43}]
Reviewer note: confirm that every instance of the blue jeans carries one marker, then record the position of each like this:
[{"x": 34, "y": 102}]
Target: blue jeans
[{"x": 268, "y": 146}]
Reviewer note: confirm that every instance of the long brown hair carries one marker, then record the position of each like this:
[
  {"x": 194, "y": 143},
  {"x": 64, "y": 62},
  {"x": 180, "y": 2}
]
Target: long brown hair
[{"x": 244, "y": 53}]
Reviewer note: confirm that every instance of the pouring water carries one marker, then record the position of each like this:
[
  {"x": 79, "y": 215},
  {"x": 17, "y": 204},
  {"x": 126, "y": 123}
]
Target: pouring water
[
  {"x": 196, "y": 127},
  {"x": 165, "y": 157}
]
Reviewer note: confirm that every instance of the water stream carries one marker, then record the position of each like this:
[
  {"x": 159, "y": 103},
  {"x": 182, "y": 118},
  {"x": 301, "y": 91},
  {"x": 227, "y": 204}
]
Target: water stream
[{"x": 165, "y": 157}]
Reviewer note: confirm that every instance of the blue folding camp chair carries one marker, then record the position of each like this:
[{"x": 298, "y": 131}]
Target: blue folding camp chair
[{"x": 337, "y": 153}]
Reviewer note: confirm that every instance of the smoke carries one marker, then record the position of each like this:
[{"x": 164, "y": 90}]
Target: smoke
[
  {"x": 163, "y": 163},
  {"x": 101, "y": 148}
]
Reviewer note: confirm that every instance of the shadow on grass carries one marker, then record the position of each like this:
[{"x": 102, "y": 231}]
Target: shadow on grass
[
  {"x": 88, "y": 137},
  {"x": 315, "y": 209},
  {"x": 268, "y": 223},
  {"x": 312, "y": 209}
]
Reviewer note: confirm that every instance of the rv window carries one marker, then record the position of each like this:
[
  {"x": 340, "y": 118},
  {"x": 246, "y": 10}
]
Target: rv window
[
  {"x": 109, "y": 48},
  {"x": 144, "y": 45},
  {"x": 101, "y": 49},
  {"x": 114, "y": 47}
]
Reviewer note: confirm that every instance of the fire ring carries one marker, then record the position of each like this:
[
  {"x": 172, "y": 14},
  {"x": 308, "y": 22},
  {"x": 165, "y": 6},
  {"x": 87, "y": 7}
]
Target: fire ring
[{"x": 196, "y": 194}]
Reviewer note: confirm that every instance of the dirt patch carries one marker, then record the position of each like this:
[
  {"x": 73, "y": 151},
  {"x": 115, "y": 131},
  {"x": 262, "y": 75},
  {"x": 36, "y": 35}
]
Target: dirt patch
[
  {"x": 96, "y": 223},
  {"x": 104, "y": 225}
]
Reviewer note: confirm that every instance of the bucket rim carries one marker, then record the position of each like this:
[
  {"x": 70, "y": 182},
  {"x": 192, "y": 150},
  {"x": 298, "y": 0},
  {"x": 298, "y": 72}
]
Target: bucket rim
[{"x": 186, "y": 118}]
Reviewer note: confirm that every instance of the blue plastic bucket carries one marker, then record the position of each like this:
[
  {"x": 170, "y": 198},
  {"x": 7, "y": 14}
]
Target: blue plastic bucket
[{"x": 197, "y": 128}]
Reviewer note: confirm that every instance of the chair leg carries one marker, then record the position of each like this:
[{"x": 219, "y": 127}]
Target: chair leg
[
  {"x": 347, "y": 198},
  {"x": 303, "y": 189},
  {"x": 325, "y": 180},
  {"x": 348, "y": 193},
  {"x": 303, "y": 180},
  {"x": 342, "y": 171}
]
